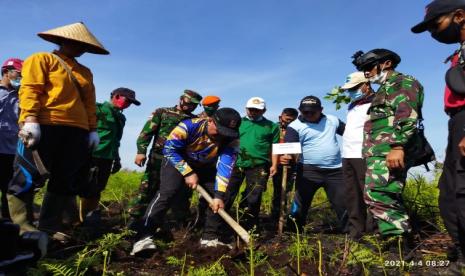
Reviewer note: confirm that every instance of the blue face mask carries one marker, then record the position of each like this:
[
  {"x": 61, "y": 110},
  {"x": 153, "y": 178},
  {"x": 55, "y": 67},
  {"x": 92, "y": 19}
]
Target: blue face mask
[
  {"x": 15, "y": 83},
  {"x": 356, "y": 94}
]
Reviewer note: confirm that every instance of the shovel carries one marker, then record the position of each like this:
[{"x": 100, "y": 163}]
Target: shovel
[
  {"x": 227, "y": 218},
  {"x": 282, "y": 212}
]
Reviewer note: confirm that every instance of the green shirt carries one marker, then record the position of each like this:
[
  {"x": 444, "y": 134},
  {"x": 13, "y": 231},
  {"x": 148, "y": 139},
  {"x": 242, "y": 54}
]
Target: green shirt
[
  {"x": 110, "y": 124},
  {"x": 256, "y": 138}
]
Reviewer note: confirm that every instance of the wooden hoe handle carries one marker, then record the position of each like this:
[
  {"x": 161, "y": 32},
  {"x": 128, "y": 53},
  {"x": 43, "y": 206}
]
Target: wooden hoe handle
[{"x": 229, "y": 220}]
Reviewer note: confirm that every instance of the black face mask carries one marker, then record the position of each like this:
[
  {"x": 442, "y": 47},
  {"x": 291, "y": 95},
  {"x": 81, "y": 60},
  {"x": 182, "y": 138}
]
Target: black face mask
[{"x": 449, "y": 35}]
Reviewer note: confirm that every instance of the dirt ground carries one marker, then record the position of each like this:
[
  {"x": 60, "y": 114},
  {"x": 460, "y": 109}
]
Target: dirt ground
[{"x": 272, "y": 255}]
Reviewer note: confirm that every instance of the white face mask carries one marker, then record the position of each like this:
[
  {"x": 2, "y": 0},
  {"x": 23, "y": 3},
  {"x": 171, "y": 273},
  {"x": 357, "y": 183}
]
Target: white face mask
[{"x": 379, "y": 78}]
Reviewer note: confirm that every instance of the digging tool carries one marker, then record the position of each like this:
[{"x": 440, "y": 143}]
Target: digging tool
[
  {"x": 283, "y": 199},
  {"x": 284, "y": 149},
  {"x": 35, "y": 155},
  {"x": 223, "y": 214}
]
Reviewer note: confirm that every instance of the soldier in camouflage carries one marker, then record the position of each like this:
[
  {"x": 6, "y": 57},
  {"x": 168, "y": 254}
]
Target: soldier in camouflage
[
  {"x": 158, "y": 127},
  {"x": 388, "y": 132}
]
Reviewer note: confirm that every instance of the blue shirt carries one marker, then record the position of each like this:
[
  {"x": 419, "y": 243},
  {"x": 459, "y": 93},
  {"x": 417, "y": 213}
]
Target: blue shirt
[
  {"x": 8, "y": 120},
  {"x": 189, "y": 145},
  {"x": 318, "y": 140}
]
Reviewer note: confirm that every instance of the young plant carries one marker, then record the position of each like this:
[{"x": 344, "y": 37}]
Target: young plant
[
  {"x": 297, "y": 235},
  {"x": 362, "y": 254},
  {"x": 338, "y": 97},
  {"x": 91, "y": 256},
  {"x": 320, "y": 258},
  {"x": 172, "y": 260},
  {"x": 215, "y": 269}
]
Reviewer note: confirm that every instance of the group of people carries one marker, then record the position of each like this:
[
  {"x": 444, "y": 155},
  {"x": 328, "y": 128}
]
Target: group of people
[{"x": 53, "y": 129}]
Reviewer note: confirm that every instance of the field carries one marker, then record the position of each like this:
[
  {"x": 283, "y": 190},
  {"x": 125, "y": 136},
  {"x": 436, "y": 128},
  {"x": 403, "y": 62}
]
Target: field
[{"x": 318, "y": 250}]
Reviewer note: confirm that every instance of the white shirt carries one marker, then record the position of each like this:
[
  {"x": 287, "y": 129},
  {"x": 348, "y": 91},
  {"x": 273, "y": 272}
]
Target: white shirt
[{"x": 352, "y": 140}]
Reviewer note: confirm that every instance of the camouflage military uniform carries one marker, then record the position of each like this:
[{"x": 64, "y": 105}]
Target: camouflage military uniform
[
  {"x": 159, "y": 126},
  {"x": 392, "y": 122}
]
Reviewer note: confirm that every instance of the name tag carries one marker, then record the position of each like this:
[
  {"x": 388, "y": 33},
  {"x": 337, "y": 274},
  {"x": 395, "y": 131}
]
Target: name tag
[{"x": 287, "y": 148}]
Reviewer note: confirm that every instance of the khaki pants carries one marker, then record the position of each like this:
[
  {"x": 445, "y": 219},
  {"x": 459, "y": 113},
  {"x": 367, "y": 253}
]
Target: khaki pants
[{"x": 21, "y": 211}]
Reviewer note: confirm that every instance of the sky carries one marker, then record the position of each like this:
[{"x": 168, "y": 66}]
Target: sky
[{"x": 278, "y": 50}]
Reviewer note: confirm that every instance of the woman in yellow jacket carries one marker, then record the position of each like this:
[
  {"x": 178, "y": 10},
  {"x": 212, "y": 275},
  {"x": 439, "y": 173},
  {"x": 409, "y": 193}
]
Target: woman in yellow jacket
[{"x": 57, "y": 102}]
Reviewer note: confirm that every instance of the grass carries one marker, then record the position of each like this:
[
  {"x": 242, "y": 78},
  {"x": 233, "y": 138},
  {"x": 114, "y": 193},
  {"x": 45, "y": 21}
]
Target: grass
[{"x": 121, "y": 186}]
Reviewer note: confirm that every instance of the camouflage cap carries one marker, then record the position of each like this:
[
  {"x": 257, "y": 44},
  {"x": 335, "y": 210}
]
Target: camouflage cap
[{"x": 192, "y": 95}]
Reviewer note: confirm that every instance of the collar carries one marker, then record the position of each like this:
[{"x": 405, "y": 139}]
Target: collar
[
  {"x": 363, "y": 100},
  {"x": 391, "y": 76},
  {"x": 112, "y": 107},
  {"x": 64, "y": 57},
  {"x": 7, "y": 89},
  {"x": 259, "y": 120}
]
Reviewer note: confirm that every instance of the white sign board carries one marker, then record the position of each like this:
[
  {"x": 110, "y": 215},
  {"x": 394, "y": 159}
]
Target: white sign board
[{"x": 287, "y": 148}]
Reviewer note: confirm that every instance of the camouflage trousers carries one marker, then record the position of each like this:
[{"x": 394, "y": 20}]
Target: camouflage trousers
[
  {"x": 149, "y": 185},
  {"x": 383, "y": 196}
]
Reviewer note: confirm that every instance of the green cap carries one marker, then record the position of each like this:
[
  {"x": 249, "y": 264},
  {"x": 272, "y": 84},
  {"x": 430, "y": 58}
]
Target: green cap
[{"x": 193, "y": 96}]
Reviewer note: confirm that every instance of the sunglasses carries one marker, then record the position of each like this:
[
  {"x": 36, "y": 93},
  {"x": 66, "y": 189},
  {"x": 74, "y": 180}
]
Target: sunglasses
[{"x": 189, "y": 103}]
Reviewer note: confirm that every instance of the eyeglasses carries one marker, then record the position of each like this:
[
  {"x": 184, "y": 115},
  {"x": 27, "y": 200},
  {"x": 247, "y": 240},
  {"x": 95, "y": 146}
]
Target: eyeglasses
[{"x": 254, "y": 109}]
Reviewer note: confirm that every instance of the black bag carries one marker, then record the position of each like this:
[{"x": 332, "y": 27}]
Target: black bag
[
  {"x": 455, "y": 79},
  {"x": 420, "y": 151},
  {"x": 455, "y": 76}
]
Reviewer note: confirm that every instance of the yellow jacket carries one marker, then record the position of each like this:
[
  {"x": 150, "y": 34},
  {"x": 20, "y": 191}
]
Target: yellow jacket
[{"x": 47, "y": 92}]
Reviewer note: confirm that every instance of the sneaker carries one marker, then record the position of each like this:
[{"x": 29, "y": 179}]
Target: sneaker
[
  {"x": 214, "y": 243},
  {"x": 143, "y": 245}
]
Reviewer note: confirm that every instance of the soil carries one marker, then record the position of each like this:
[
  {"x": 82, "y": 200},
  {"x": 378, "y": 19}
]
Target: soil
[{"x": 275, "y": 256}]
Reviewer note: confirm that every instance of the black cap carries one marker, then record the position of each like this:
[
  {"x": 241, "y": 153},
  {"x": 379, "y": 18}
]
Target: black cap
[
  {"x": 128, "y": 93},
  {"x": 310, "y": 103},
  {"x": 435, "y": 9},
  {"x": 227, "y": 122}
]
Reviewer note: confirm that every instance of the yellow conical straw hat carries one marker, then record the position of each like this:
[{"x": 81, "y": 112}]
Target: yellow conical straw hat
[{"x": 75, "y": 32}]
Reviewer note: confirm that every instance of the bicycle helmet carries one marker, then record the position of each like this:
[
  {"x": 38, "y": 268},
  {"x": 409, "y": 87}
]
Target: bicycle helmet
[{"x": 368, "y": 60}]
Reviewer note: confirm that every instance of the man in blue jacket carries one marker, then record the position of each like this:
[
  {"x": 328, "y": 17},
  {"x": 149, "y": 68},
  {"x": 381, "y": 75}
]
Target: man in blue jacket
[{"x": 9, "y": 85}]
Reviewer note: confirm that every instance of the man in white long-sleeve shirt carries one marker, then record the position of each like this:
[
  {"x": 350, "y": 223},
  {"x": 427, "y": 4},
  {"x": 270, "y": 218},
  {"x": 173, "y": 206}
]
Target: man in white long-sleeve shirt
[{"x": 353, "y": 164}]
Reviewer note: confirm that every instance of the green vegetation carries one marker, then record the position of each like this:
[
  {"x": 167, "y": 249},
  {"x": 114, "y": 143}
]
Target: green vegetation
[{"x": 96, "y": 256}]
